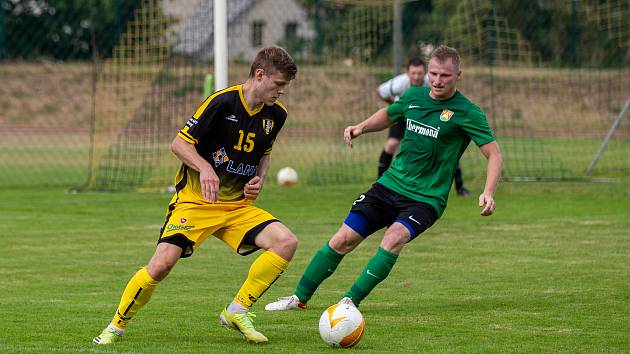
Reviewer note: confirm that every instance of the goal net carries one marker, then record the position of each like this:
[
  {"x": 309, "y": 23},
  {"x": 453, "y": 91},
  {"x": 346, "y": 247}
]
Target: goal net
[{"x": 105, "y": 121}]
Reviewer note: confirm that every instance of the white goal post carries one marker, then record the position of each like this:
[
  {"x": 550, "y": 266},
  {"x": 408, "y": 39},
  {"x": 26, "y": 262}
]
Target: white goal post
[{"x": 220, "y": 45}]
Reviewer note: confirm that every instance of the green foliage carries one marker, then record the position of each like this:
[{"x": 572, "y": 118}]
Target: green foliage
[
  {"x": 62, "y": 29},
  {"x": 558, "y": 33},
  {"x": 346, "y": 30},
  {"x": 564, "y": 34},
  {"x": 298, "y": 47}
]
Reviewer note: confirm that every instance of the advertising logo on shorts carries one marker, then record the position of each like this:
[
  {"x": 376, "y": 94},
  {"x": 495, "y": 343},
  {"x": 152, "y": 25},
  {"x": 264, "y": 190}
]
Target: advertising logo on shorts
[
  {"x": 446, "y": 115},
  {"x": 173, "y": 227}
]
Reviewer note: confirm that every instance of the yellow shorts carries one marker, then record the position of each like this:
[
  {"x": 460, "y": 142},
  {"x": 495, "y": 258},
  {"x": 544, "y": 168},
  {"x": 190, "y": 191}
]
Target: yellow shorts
[{"x": 188, "y": 224}]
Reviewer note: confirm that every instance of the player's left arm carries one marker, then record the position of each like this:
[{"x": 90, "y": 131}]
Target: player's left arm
[
  {"x": 486, "y": 199},
  {"x": 254, "y": 186}
]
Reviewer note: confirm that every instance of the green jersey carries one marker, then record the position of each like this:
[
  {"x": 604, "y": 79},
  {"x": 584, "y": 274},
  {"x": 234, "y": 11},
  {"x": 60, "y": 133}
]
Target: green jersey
[{"x": 436, "y": 135}]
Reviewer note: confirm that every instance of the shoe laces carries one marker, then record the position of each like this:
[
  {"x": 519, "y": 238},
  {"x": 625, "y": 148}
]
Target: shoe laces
[
  {"x": 287, "y": 298},
  {"x": 109, "y": 332},
  {"x": 246, "y": 319}
]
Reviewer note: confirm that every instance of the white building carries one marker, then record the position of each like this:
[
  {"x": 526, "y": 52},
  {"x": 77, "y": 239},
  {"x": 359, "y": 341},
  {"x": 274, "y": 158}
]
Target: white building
[{"x": 252, "y": 24}]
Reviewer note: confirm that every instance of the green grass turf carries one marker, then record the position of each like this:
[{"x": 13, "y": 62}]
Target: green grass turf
[
  {"x": 550, "y": 272},
  {"x": 318, "y": 160}
]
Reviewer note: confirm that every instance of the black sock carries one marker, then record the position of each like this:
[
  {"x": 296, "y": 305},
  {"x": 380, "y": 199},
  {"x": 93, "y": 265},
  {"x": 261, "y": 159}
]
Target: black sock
[
  {"x": 383, "y": 162},
  {"x": 459, "y": 182}
]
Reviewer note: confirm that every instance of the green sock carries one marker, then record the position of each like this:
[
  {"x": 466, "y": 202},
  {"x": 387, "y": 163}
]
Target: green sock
[
  {"x": 321, "y": 267},
  {"x": 376, "y": 271}
]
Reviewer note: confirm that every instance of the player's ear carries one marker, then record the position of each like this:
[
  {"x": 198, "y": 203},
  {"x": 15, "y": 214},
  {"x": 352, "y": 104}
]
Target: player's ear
[{"x": 259, "y": 73}]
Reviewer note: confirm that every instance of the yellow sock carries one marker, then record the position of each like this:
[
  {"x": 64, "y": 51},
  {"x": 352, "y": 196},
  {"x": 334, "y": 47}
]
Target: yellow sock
[
  {"x": 265, "y": 270},
  {"x": 136, "y": 294}
]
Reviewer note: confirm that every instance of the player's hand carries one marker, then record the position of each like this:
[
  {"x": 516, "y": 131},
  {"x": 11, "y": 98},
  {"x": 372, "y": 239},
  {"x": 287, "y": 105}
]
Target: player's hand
[
  {"x": 350, "y": 133},
  {"x": 253, "y": 188},
  {"x": 487, "y": 202},
  {"x": 209, "y": 184}
]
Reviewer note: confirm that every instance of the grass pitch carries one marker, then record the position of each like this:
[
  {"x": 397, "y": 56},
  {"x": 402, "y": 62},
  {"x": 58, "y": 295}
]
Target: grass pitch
[{"x": 549, "y": 272}]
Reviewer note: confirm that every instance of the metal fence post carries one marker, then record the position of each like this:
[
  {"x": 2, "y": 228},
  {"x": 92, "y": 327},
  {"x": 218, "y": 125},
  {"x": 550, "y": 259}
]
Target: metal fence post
[{"x": 2, "y": 41}]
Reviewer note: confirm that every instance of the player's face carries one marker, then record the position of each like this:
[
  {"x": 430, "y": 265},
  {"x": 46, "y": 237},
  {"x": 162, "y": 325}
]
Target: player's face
[
  {"x": 272, "y": 87},
  {"x": 416, "y": 75},
  {"x": 443, "y": 78}
]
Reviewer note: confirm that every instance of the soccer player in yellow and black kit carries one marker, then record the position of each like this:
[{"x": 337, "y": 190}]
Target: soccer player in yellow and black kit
[{"x": 225, "y": 148}]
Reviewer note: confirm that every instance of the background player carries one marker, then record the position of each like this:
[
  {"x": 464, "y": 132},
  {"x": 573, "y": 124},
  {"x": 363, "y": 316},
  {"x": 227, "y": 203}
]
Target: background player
[
  {"x": 390, "y": 91},
  {"x": 412, "y": 194},
  {"x": 225, "y": 149}
]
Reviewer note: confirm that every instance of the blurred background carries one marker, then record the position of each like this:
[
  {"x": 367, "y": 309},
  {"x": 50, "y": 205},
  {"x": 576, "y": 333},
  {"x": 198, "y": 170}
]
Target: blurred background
[{"x": 92, "y": 92}]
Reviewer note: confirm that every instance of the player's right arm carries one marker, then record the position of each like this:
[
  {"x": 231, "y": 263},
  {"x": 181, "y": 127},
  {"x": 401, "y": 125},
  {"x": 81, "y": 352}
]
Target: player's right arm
[
  {"x": 208, "y": 179},
  {"x": 376, "y": 122}
]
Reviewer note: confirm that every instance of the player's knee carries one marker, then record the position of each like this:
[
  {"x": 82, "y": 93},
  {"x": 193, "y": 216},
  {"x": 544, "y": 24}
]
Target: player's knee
[
  {"x": 159, "y": 269},
  {"x": 282, "y": 243},
  {"x": 288, "y": 242},
  {"x": 395, "y": 241},
  {"x": 344, "y": 241}
]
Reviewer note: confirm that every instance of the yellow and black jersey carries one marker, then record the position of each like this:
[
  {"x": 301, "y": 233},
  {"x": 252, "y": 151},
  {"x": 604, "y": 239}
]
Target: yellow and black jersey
[{"x": 232, "y": 138}]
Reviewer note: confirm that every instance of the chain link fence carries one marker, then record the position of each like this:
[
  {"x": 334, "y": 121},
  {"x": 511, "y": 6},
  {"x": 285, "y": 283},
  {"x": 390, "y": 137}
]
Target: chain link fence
[{"x": 93, "y": 92}]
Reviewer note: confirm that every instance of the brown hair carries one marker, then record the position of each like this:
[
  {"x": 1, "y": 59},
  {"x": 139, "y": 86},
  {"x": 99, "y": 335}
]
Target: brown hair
[
  {"x": 442, "y": 53},
  {"x": 416, "y": 61},
  {"x": 274, "y": 58}
]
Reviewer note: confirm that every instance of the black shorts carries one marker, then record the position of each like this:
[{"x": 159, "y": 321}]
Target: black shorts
[
  {"x": 380, "y": 207},
  {"x": 397, "y": 131}
]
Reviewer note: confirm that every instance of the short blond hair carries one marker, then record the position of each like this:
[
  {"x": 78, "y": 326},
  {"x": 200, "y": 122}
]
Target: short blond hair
[{"x": 442, "y": 53}]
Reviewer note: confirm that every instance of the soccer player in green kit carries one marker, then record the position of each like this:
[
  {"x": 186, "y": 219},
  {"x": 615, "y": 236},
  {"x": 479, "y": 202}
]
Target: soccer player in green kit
[{"x": 412, "y": 194}]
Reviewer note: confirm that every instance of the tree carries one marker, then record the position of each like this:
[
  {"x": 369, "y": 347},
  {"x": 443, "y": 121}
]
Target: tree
[{"x": 62, "y": 29}]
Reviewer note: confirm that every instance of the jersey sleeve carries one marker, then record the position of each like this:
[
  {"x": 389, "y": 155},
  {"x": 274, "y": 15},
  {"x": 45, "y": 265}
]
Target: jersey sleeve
[
  {"x": 199, "y": 124},
  {"x": 282, "y": 114},
  {"x": 476, "y": 126},
  {"x": 269, "y": 147},
  {"x": 396, "y": 110}
]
